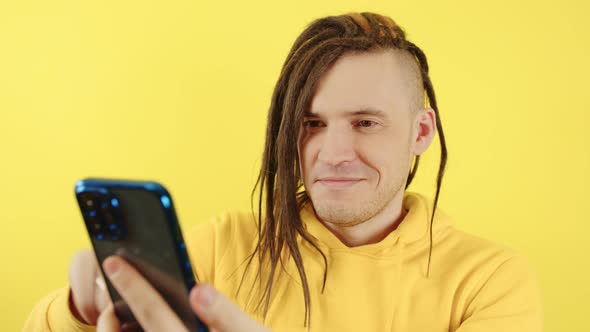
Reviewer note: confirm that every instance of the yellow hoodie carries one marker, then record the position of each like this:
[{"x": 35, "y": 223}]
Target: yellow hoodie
[{"x": 474, "y": 285}]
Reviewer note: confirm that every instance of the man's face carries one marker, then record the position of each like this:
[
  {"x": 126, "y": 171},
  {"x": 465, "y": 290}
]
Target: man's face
[{"x": 355, "y": 144}]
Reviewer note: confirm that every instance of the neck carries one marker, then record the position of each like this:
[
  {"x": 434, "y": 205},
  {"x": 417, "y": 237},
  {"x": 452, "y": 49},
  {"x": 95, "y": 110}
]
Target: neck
[{"x": 372, "y": 230}]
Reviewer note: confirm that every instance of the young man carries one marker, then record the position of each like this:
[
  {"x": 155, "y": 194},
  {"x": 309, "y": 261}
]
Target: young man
[{"x": 338, "y": 244}]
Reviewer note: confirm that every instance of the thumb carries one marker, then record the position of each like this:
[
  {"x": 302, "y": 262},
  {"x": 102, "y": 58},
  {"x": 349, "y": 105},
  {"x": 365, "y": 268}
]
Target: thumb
[
  {"x": 108, "y": 321},
  {"x": 219, "y": 313}
]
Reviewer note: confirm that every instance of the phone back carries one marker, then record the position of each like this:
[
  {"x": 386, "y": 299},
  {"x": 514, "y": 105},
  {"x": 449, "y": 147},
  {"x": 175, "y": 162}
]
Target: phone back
[{"x": 137, "y": 220}]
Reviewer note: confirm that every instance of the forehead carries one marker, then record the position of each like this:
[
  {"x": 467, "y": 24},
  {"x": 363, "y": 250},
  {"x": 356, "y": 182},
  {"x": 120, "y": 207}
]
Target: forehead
[{"x": 368, "y": 80}]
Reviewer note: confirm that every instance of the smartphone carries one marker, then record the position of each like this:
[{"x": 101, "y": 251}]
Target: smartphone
[{"x": 137, "y": 220}]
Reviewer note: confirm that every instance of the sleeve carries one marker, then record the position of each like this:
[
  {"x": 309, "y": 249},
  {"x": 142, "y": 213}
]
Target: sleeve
[
  {"x": 509, "y": 300},
  {"x": 53, "y": 313},
  {"x": 206, "y": 244}
]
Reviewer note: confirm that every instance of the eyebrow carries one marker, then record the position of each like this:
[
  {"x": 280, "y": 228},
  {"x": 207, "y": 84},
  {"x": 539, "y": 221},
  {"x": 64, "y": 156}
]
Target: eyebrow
[{"x": 362, "y": 111}]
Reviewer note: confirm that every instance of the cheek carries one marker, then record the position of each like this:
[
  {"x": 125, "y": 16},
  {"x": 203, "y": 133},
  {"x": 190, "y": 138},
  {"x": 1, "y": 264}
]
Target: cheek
[
  {"x": 306, "y": 157},
  {"x": 386, "y": 154}
]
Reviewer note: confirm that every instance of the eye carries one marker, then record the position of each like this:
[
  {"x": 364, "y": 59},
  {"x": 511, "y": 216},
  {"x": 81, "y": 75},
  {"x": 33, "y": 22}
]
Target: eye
[
  {"x": 366, "y": 123},
  {"x": 312, "y": 123}
]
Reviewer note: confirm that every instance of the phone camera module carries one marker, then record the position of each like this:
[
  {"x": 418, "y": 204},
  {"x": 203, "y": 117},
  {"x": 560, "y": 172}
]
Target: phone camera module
[
  {"x": 102, "y": 214},
  {"x": 113, "y": 217}
]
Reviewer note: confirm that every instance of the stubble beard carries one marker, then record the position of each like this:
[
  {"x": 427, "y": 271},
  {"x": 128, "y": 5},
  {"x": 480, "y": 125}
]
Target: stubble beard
[{"x": 351, "y": 212}]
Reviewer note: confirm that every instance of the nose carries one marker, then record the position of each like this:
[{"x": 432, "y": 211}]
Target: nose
[{"x": 337, "y": 146}]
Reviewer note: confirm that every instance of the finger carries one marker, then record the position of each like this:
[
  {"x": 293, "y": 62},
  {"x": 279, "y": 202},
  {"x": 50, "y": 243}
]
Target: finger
[
  {"x": 219, "y": 313},
  {"x": 107, "y": 321},
  {"x": 83, "y": 271},
  {"x": 176, "y": 296},
  {"x": 101, "y": 296},
  {"x": 148, "y": 307}
]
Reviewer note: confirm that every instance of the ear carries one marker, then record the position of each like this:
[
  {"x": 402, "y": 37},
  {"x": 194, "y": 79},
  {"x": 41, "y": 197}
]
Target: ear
[{"x": 423, "y": 130}]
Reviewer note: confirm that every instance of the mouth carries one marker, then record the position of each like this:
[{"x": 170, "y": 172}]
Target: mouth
[{"x": 338, "y": 182}]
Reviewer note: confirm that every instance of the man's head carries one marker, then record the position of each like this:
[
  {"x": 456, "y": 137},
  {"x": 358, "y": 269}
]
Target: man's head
[
  {"x": 339, "y": 66},
  {"x": 365, "y": 124}
]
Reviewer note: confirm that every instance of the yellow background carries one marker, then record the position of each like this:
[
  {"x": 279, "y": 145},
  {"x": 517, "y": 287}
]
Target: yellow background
[{"x": 178, "y": 91}]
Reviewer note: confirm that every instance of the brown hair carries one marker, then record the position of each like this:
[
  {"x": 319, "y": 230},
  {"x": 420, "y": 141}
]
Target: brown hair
[{"x": 279, "y": 182}]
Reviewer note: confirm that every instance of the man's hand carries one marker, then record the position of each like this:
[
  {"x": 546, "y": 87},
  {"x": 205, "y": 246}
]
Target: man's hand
[
  {"x": 154, "y": 314},
  {"x": 88, "y": 291}
]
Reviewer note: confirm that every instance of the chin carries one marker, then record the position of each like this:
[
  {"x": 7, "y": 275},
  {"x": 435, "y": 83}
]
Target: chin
[{"x": 338, "y": 211}]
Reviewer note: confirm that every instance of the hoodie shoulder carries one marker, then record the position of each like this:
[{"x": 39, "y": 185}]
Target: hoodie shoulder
[
  {"x": 210, "y": 244},
  {"x": 462, "y": 245},
  {"x": 490, "y": 281}
]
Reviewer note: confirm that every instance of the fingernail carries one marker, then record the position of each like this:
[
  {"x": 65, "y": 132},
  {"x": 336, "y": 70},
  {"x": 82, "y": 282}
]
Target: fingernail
[
  {"x": 205, "y": 295},
  {"x": 111, "y": 266}
]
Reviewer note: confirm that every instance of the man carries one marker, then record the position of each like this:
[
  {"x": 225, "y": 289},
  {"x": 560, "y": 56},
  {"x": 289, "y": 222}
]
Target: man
[{"x": 338, "y": 244}]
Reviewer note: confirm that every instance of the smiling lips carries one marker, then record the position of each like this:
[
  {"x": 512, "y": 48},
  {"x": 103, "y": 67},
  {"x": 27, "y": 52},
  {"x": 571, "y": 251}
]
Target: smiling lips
[{"x": 338, "y": 182}]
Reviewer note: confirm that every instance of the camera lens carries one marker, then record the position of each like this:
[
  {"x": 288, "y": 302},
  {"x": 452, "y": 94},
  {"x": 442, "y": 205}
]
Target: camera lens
[
  {"x": 87, "y": 201},
  {"x": 114, "y": 202},
  {"x": 94, "y": 227}
]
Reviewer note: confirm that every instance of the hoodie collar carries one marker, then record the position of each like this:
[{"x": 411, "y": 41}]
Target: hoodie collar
[{"x": 413, "y": 227}]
